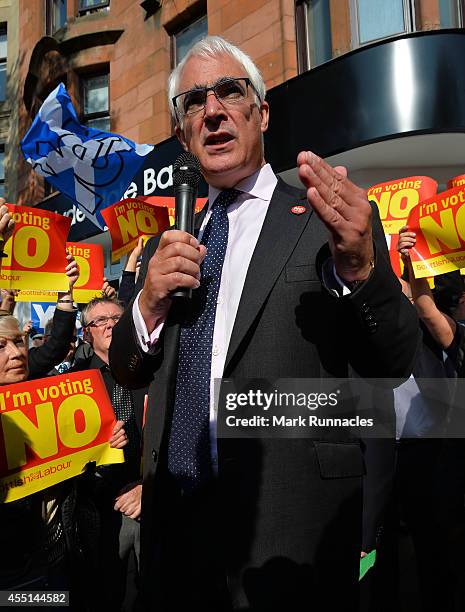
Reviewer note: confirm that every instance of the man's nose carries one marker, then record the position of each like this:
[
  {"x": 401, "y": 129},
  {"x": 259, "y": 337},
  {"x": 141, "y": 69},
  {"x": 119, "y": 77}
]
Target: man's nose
[{"x": 213, "y": 106}]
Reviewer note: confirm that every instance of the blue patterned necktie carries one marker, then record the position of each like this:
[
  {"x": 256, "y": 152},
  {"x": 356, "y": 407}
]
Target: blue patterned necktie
[{"x": 189, "y": 458}]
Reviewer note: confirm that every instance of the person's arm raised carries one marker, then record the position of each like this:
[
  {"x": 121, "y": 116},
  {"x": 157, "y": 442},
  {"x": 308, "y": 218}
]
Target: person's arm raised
[
  {"x": 65, "y": 298},
  {"x": 440, "y": 325}
]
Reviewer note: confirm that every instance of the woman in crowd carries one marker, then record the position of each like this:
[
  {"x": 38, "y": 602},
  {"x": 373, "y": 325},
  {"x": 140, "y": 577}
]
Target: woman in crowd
[
  {"x": 22, "y": 532},
  {"x": 38, "y": 535}
]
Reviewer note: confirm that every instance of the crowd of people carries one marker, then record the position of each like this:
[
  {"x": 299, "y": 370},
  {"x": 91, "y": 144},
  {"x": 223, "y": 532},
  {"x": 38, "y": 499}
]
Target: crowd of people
[
  {"x": 81, "y": 535},
  {"x": 288, "y": 283}
]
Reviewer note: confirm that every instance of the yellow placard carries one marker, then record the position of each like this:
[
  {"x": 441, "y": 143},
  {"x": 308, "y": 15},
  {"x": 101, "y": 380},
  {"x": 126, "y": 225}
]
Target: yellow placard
[
  {"x": 395, "y": 199},
  {"x": 35, "y": 253},
  {"x": 439, "y": 224},
  {"x": 50, "y": 429}
]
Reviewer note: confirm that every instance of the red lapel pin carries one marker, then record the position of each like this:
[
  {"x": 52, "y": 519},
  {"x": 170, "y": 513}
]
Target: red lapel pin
[{"x": 298, "y": 210}]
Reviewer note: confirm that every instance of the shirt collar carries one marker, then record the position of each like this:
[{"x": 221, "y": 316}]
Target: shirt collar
[
  {"x": 97, "y": 363},
  {"x": 261, "y": 184}
]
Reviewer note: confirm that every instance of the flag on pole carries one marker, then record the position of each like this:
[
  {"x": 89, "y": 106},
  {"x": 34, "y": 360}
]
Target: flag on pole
[{"x": 92, "y": 167}]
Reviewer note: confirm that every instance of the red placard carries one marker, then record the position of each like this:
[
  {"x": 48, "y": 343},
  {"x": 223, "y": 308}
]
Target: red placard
[
  {"x": 50, "y": 429},
  {"x": 395, "y": 199},
  {"x": 131, "y": 219},
  {"x": 439, "y": 223},
  {"x": 36, "y": 256},
  {"x": 89, "y": 258},
  {"x": 457, "y": 181}
]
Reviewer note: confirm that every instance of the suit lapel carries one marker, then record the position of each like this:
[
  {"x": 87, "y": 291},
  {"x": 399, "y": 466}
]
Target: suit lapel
[{"x": 280, "y": 232}]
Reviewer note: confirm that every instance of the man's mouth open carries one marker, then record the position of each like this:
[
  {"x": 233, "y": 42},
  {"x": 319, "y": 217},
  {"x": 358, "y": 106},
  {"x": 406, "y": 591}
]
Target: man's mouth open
[{"x": 218, "y": 141}]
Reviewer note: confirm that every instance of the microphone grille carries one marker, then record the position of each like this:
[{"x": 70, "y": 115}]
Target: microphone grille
[{"x": 186, "y": 170}]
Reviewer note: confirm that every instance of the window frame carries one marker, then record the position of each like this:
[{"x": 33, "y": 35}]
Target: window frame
[
  {"x": 84, "y": 10},
  {"x": 460, "y": 15},
  {"x": 409, "y": 12},
  {"x": 86, "y": 117},
  {"x": 50, "y": 26},
  {"x": 301, "y": 33},
  {"x": 3, "y": 181},
  {"x": 197, "y": 18},
  {"x": 4, "y": 60}
]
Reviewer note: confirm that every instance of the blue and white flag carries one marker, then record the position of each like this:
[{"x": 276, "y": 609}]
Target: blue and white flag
[{"x": 92, "y": 167}]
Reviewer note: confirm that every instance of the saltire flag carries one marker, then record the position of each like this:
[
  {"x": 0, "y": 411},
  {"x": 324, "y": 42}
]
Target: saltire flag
[{"x": 92, "y": 167}]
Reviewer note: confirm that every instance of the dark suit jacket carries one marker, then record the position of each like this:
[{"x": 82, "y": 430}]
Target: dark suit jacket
[{"x": 290, "y": 510}]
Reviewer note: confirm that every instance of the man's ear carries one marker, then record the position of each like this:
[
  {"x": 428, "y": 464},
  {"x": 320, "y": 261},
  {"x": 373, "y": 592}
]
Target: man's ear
[
  {"x": 180, "y": 136},
  {"x": 265, "y": 115}
]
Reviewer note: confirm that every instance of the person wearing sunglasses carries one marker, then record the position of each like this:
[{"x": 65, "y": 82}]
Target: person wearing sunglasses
[{"x": 262, "y": 524}]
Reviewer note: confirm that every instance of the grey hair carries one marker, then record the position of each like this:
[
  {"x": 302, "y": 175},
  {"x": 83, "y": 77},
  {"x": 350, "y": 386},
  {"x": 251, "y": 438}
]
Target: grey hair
[
  {"x": 85, "y": 319},
  {"x": 211, "y": 47},
  {"x": 9, "y": 326}
]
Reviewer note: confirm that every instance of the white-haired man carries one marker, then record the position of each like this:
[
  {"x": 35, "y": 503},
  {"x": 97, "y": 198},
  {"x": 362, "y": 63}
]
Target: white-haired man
[{"x": 253, "y": 524}]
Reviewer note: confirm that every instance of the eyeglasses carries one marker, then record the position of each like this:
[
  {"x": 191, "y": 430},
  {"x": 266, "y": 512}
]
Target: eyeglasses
[
  {"x": 101, "y": 321},
  {"x": 228, "y": 91}
]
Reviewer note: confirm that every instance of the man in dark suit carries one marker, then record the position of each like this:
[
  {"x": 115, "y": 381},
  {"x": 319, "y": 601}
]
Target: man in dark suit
[{"x": 254, "y": 524}]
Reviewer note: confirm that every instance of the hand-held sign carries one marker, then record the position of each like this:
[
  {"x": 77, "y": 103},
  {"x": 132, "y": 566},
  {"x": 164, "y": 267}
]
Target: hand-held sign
[
  {"x": 7, "y": 225},
  {"x": 344, "y": 209}
]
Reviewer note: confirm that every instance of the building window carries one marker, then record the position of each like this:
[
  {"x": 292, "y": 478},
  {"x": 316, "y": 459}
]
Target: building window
[
  {"x": 3, "y": 58},
  {"x": 55, "y": 15},
  {"x": 313, "y": 23},
  {"x": 451, "y": 13},
  {"x": 2, "y": 171},
  {"x": 187, "y": 37},
  {"x": 376, "y": 19},
  {"x": 89, "y": 6},
  {"x": 327, "y": 28},
  {"x": 95, "y": 102}
]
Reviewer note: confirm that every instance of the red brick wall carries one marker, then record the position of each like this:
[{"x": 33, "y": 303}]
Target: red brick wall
[
  {"x": 140, "y": 60},
  {"x": 31, "y": 30}
]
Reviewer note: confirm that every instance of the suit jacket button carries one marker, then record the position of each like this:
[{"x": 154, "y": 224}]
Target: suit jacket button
[{"x": 154, "y": 455}]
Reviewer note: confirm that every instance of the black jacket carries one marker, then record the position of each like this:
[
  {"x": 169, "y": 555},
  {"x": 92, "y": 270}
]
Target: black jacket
[
  {"x": 289, "y": 509},
  {"x": 42, "y": 359}
]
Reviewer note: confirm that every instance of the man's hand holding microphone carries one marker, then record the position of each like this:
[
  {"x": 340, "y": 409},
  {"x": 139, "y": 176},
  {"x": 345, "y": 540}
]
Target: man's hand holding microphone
[{"x": 174, "y": 269}]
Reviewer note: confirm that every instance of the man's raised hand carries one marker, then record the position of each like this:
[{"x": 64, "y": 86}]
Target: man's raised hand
[{"x": 344, "y": 209}]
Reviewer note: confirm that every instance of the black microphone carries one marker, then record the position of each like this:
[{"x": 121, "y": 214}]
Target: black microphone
[{"x": 186, "y": 178}]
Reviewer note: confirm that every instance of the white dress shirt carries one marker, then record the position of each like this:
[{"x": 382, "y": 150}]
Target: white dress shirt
[{"x": 246, "y": 216}]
